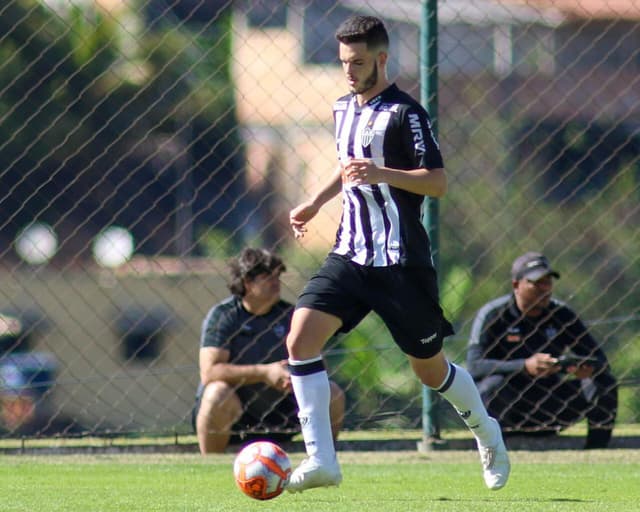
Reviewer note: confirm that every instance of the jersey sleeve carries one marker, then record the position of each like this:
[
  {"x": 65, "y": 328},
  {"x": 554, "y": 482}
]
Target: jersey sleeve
[
  {"x": 418, "y": 138},
  {"x": 217, "y": 329},
  {"x": 480, "y": 364}
]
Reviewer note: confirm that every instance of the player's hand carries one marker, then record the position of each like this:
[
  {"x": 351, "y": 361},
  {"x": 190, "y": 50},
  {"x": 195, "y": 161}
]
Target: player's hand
[
  {"x": 583, "y": 371},
  {"x": 541, "y": 365},
  {"x": 361, "y": 171},
  {"x": 300, "y": 215},
  {"x": 277, "y": 376}
]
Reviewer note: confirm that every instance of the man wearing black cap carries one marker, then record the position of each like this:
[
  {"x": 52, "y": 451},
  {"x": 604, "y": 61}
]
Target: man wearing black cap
[{"x": 525, "y": 348}]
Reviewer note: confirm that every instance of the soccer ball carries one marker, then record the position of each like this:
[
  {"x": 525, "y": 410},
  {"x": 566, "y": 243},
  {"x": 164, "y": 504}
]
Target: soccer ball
[{"x": 261, "y": 470}]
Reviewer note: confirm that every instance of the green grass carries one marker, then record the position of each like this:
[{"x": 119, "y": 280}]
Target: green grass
[{"x": 601, "y": 480}]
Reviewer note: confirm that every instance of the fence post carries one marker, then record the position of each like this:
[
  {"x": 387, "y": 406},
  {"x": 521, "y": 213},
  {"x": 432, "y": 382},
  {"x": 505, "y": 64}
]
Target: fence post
[{"x": 429, "y": 98}]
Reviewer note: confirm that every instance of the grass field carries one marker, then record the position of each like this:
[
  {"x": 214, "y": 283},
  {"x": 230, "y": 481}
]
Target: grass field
[{"x": 600, "y": 480}]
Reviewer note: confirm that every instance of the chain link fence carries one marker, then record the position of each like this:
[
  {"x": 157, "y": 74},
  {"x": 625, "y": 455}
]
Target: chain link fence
[{"x": 143, "y": 142}]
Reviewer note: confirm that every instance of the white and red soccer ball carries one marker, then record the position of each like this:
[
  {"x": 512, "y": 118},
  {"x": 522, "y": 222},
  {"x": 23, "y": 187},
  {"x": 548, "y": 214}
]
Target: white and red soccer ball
[{"x": 262, "y": 470}]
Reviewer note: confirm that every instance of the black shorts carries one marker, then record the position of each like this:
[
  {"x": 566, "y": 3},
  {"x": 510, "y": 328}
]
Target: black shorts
[
  {"x": 270, "y": 415},
  {"x": 406, "y": 298}
]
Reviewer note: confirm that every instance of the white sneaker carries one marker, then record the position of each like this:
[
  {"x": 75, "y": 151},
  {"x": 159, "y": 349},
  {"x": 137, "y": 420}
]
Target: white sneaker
[
  {"x": 310, "y": 474},
  {"x": 495, "y": 462}
]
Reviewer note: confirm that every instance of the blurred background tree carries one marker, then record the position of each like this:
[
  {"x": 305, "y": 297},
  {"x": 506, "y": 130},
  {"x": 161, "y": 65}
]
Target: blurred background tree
[{"x": 133, "y": 124}]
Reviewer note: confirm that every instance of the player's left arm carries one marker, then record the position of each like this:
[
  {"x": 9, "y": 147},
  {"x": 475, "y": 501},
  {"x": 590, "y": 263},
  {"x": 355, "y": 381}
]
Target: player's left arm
[
  {"x": 426, "y": 175},
  {"x": 423, "y": 181}
]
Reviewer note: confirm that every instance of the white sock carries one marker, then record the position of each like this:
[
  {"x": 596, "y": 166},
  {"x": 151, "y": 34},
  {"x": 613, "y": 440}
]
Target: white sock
[
  {"x": 460, "y": 391},
  {"x": 310, "y": 383}
]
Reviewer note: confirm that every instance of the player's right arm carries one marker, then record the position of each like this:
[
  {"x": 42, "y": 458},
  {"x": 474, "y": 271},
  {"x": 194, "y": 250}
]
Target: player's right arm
[
  {"x": 216, "y": 337},
  {"x": 215, "y": 365},
  {"x": 486, "y": 332},
  {"x": 304, "y": 212}
]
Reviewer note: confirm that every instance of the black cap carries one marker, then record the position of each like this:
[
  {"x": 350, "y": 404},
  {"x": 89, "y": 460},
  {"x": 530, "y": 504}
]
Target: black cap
[{"x": 532, "y": 266}]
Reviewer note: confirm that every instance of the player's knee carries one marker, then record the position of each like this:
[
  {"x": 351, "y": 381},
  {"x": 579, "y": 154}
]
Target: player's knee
[
  {"x": 432, "y": 371},
  {"x": 310, "y": 330},
  {"x": 220, "y": 398},
  {"x": 291, "y": 343},
  {"x": 301, "y": 348}
]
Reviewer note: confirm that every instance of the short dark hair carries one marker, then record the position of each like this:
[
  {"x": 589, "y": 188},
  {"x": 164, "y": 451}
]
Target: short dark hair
[
  {"x": 250, "y": 264},
  {"x": 363, "y": 29}
]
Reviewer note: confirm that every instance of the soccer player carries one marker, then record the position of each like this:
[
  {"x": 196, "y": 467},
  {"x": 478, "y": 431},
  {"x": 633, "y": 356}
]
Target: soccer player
[
  {"x": 388, "y": 160},
  {"x": 244, "y": 379}
]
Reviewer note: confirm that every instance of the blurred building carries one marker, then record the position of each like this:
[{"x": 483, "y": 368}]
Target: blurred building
[{"x": 548, "y": 66}]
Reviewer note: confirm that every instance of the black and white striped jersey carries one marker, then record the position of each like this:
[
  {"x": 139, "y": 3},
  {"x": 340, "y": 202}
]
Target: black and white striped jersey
[{"x": 382, "y": 225}]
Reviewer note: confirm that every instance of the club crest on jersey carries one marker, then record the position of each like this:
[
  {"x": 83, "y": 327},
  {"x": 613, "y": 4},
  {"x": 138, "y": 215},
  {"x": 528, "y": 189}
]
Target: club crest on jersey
[
  {"x": 280, "y": 330},
  {"x": 367, "y": 136}
]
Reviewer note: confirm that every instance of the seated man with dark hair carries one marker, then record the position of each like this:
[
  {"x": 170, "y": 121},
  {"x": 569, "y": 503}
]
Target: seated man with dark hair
[
  {"x": 537, "y": 367},
  {"x": 245, "y": 386}
]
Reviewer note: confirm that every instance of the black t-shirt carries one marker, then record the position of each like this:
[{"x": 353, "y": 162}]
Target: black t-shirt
[{"x": 249, "y": 338}]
